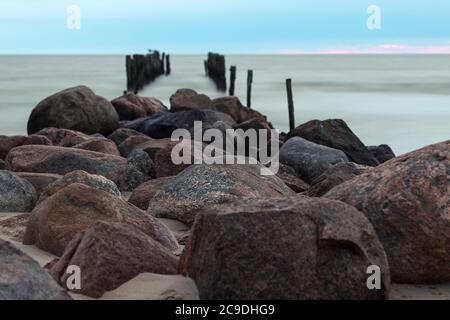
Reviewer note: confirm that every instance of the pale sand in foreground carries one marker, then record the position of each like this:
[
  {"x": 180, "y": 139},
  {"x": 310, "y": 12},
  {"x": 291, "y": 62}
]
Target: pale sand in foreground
[{"x": 149, "y": 286}]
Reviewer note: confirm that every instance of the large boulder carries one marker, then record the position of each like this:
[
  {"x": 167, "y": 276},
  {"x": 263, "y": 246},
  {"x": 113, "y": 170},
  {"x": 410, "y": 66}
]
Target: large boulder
[
  {"x": 337, "y": 135},
  {"x": 291, "y": 179},
  {"x": 295, "y": 248},
  {"x": 161, "y": 125},
  {"x": 309, "y": 159},
  {"x": 140, "y": 168},
  {"x": 21, "y": 278},
  {"x": 40, "y": 181},
  {"x": 122, "y": 134},
  {"x": 229, "y": 105},
  {"x": 61, "y": 160},
  {"x": 128, "y": 146},
  {"x": 2, "y": 164},
  {"x": 334, "y": 176},
  {"x": 77, "y": 108},
  {"x": 80, "y": 176},
  {"x": 382, "y": 152},
  {"x": 55, "y": 221},
  {"x": 63, "y": 137},
  {"x": 201, "y": 186},
  {"x": 16, "y": 194},
  {"x": 102, "y": 145},
  {"x": 9, "y": 142},
  {"x": 188, "y": 99},
  {"x": 144, "y": 193},
  {"x": 407, "y": 200},
  {"x": 120, "y": 251},
  {"x": 131, "y": 106}
]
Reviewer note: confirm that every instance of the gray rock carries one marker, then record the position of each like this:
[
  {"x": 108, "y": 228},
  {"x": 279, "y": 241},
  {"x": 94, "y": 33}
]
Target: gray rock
[
  {"x": 309, "y": 159},
  {"x": 202, "y": 186},
  {"x": 16, "y": 194},
  {"x": 382, "y": 152},
  {"x": 140, "y": 168},
  {"x": 21, "y": 278}
]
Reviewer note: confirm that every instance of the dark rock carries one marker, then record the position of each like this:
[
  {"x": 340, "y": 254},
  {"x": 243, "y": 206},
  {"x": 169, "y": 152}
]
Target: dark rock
[
  {"x": 309, "y": 159},
  {"x": 248, "y": 114},
  {"x": 382, "y": 153},
  {"x": 79, "y": 176},
  {"x": 40, "y": 181},
  {"x": 63, "y": 137},
  {"x": 337, "y": 135},
  {"x": 201, "y": 186},
  {"x": 55, "y": 221},
  {"x": 142, "y": 195},
  {"x": 294, "y": 248},
  {"x": 122, "y": 134},
  {"x": 131, "y": 107},
  {"x": 60, "y": 160},
  {"x": 140, "y": 168},
  {"x": 21, "y": 278},
  {"x": 131, "y": 143},
  {"x": 334, "y": 176},
  {"x": 407, "y": 200},
  {"x": 187, "y": 99},
  {"x": 16, "y": 194},
  {"x": 102, "y": 145},
  {"x": 291, "y": 179},
  {"x": 229, "y": 105},
  {"x": 77, "y": 108},
  {"x": 161, "y": 125},
  {"x": 2, "y": 164},
  {"x": 8, "y": 143},
  {"x": 121, "y": 252}
]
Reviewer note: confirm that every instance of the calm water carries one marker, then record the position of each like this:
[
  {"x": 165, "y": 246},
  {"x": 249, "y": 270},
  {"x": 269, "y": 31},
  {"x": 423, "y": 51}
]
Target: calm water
[{"x": 400, "y": 100}]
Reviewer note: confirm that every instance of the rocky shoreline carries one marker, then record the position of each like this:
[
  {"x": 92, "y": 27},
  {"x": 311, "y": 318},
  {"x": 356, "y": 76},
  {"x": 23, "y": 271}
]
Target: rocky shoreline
[{"x": 93, "y": 185}]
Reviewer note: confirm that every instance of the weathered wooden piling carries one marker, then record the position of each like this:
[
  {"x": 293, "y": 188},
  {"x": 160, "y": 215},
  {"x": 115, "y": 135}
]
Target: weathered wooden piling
[
  {"x": 249, "y": 87},
  {"x": 232, "y": 80},
  {"x": 143, "y": 69},
  {"x": 215, "y": 69},
  {"x": 290, "y": 104},
  {"x": 168, "y": 70}
]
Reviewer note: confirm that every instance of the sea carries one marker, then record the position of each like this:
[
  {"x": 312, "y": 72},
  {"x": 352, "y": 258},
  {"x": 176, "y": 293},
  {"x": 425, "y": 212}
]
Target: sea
[{"x": 399, "y": 100}]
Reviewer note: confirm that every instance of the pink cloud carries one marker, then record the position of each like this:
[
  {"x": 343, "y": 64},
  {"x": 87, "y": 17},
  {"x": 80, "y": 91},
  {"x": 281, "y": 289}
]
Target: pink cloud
[{"x": 379, "y": 49}]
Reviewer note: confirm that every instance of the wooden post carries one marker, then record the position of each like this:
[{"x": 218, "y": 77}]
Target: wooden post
[
  {"x": 290, "y": 104},
  {"x": 249, "y": 87},
  {"x": 168, "y": 70},
  {"x": 232, "y": 79}
]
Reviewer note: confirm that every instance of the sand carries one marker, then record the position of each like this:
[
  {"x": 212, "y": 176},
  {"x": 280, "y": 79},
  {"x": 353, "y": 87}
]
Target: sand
[{"x": 149, "y": 286}]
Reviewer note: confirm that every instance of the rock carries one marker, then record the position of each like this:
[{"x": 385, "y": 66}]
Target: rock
[
  {"x": 187, "y": 99},
  {"x": 334, "y": 176},
  {"x": 16, "y": 194},
  {"x": 2, "y": 164},
  {"x": 201, "y": 186},
  {"x": 60, "y": 160},
  {"x": 21, "y": 278},
  {"x": 229, "y": 105},
  {"x": 40, "y": 181},
  {"x": 63, "y": 137},
  {"x": 118, "y": 258},
  {"x": 142, "y": 195},
  {"x": 131, "y": 106},
  {"x": 337, "y": 135},
  {"x": 122, "y": 134},
  {"x": 291, "y": 179},
  {"x": 77, "y": 108},
  {"x": 248, "y": 114},
  {"x": 140, "y": 168},
  {"x": 407, "y": 200},
  {"x": 55, "y": 221},
  {"x": 14, "y": 227},
  {"x": 79, "y": 176},
  {"x": 309, "y": 159},
  {"x": 131, "y": 143},
  {"x": 382, "y": 152},
  {"x": 161, "y": 125},
  {"x": 294, "y": 248},
  {"x": 8, "y": 143},
  {"x": 102, "y": 145}
]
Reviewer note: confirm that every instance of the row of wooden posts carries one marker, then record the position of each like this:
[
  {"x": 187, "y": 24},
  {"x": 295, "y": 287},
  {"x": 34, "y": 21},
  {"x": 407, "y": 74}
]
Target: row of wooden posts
[
  {"x": 144, "y": 69},
  {"x": 215, "y": 69}
]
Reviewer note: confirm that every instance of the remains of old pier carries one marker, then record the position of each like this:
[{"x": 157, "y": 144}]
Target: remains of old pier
[
  {"x": 144, "y": 69},
  {"x": 215, "y": 69}
]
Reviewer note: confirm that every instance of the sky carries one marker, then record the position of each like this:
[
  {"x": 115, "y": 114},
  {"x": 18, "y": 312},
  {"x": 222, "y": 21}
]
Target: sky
[{"x": 226, "y": 26}]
